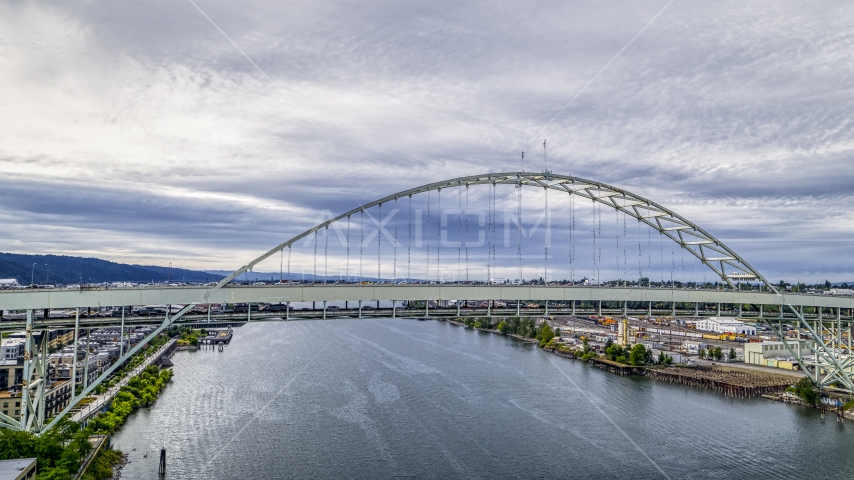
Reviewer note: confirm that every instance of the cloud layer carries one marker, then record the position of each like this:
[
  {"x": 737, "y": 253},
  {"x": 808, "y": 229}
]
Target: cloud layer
[{"x": 138, "y": 133}]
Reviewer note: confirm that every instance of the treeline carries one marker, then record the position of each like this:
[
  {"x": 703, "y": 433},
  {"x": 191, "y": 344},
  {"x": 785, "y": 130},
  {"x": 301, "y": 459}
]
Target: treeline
[{"x": 140, "y": 391}]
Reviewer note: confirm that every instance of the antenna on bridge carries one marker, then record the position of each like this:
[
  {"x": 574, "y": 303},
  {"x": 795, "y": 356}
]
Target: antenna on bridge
[
  {"x": 545, "y": 158},
  {"x": 523, "y": 160}
]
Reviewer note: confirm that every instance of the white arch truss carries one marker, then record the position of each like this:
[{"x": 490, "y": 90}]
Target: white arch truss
[{"x": 709, "y": 250}]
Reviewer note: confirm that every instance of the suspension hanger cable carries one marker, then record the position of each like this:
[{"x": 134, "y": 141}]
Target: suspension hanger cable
[
  {"x": 546, "y": 238},
  {"x": 409, "y": 244},
  {"x": 467, "y": 233},
  {"x": 439, "y": 235},
  {"x": 661, "y": 251},
  {"x": 315, "y": 256},
  {"x": 625, "y": 256},
  {"x": 519, "y": 230},
  {"x": 459, "y": 232},
  {"x": 672, "y": 266},
  {"x": 494, "y": 248},
  {"x": 617, "y": 236},
  {"x": 489, "y": 273},
  {"x": 347, "y": 268},
  {"x": 569, "y": 227},
  {"x": 593, "y": 223},
  {"x": 289, "y": 264},
  {"x": 379, "y": 245},
  {"x": 427, "y": 236},
  {"x": 281, "y": 262},
  {"x": 326, "y": 254},
  {"x": 640, "y": 254},
  {"x": 599, "y": 270},
  {"x": 394, "y": 250},
  {"x": 572, "y": 238},
  {"x": 361, "y": 245}
]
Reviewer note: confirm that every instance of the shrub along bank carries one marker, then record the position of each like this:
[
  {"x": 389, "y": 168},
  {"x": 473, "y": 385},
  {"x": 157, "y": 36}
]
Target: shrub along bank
[{"x": 140, "y": 391}]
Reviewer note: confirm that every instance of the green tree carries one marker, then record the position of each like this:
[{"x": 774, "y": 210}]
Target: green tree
[
  {"x": 702, "y": 353},
  {"x": 637, "y": 355},
  {"x": 502, "y": 327},
  {"x": 718, "y": 354},
  {"x": 612, "y": 351},
  {"x": 804, "y": 390},
  {"x": 545, "y": 334},
  {"x": 661, "y": 357},
  {"x": 732, "y": 355}
]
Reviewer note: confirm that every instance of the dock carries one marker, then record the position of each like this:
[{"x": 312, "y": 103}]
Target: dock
[{"x": 217, "y": 337}]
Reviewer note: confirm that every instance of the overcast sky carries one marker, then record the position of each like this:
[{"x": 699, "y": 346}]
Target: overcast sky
[{"x": 136, "y": 131}]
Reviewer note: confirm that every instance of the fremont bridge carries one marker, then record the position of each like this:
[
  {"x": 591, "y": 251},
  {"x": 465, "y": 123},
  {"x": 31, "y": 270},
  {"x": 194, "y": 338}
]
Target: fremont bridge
[{"x": 468, "y": 238}]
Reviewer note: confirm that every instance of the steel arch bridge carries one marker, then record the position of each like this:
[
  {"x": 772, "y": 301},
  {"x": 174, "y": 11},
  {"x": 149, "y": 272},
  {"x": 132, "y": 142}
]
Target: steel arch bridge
[
  {"x": 831, "y": 356},
  {"x": 706, "y": 248}
]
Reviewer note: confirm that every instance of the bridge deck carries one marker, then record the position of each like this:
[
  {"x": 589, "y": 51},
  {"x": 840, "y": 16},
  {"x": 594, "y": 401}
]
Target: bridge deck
[{"x": 40, "y": 299}]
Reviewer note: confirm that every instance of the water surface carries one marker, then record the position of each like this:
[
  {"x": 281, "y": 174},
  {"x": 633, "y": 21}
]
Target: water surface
[{"x": 403, "y": 398}]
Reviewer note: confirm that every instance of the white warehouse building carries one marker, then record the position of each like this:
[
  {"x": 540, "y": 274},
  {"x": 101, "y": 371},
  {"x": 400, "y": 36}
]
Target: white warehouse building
[{"x": 725, "y": 325}]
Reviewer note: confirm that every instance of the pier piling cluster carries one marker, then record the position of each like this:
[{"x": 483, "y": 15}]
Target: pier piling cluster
[{"x": 732, "y": 384}]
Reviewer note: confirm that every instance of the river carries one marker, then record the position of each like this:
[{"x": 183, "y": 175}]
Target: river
[{"x": 426, "y": 399}]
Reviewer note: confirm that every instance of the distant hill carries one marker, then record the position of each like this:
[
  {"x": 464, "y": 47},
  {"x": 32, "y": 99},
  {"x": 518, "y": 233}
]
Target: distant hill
[
  {"x": 60, "y": 269},
  {"x": 305, "y": 277}
]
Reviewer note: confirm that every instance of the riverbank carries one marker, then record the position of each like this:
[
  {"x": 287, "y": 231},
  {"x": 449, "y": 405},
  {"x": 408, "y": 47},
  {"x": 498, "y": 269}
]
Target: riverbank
[{"x": 730, "y": 380}]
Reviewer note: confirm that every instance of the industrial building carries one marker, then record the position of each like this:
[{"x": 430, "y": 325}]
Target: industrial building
[
  {"x": 775, "y": 354},
  {"x": 725, "y": 325}
]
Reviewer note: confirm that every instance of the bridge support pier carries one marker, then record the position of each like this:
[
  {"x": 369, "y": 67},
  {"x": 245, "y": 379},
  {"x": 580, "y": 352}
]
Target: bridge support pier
[
  {"x": 287, "y": 311},
  {"x": 599, "y": 310},
  {"x": 625, "y": 308},
  {"x": 394, "y": 309},
  {"x": 248, "y": 312},
  {"x": 360, "y": 309},
  {"x": 547, "y": 309},
  {"x": 25, "y": 389},
  {"x": 573, "y": 308},
  {"x": 209, "y": 314},
  {"x": 458, "y": 307},
  {"x": 673, "y": 310},
  {"x": 489, "y": 308},
  {"x": 739, "y": 309},
  {"x": 696, "y": 309},
  {"x": 719, "y": 309},
  {"x": 427, "y": 309},
  {"x": 324, "y": 309},
  {"x": 35, "y": 365},
  {"x": 518, "y": 308},
  {"x": 649, "y": 312},
  {"x": 761, "y": 314}
]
